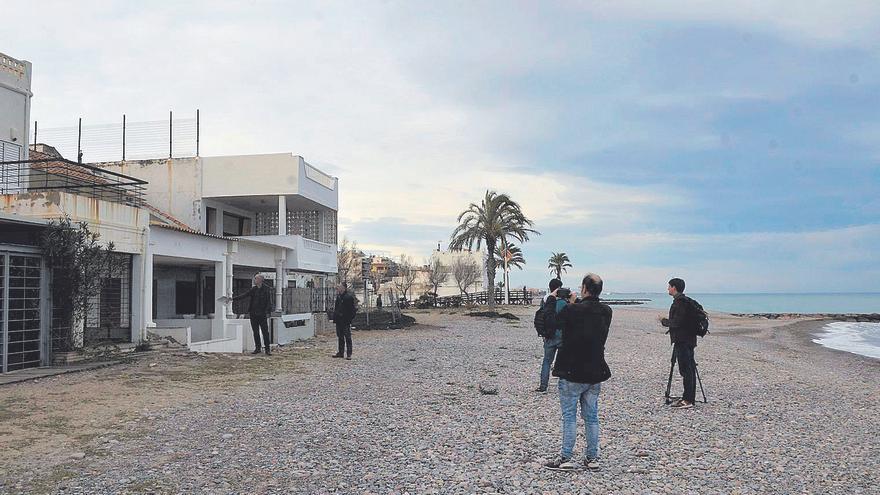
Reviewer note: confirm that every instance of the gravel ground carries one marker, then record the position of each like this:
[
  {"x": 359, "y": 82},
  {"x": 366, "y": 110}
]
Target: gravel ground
[{"x": 406, "y": 416}]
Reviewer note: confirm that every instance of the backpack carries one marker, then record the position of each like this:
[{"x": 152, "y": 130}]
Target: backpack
[
  {"x": 700, "y": 318},
  {"x": 540, "y": 325},
  {"x": 539, "y": 320}
]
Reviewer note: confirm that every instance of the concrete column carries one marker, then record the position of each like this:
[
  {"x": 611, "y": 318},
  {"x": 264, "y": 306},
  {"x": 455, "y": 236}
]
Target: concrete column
[
  {"x": 219, "y": 306},
  {"x": 138, "y": 322},
  {"x": 147, "y": 292},
  {"x": 282, "y": 215},
  {"x": 231, "y": 249},
  {"x": 280, "y": 256}
]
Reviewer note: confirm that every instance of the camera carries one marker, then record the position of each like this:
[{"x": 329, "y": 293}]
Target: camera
[{"x": 563, "y": 293}]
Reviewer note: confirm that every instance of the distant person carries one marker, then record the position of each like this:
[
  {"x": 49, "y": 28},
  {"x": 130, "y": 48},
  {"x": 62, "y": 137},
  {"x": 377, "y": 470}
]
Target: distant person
[
  {"x": 259, "y": 308},
  {"x": 682, "y": 325},
  {"x": 379, "y": 302},
  {"x": 554, "y": 338},
  {"x": 581, "y": 369},
  {"x": 343, "y": 314}
]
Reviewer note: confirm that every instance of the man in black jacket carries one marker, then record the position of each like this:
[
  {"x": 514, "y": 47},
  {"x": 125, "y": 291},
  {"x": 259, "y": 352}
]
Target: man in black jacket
[
  {"x": 682, "y": 325},
  {"x": 343, "y": 314},
  {"x": 259, "y": 308},
  {"x": 581, "y": 368}
]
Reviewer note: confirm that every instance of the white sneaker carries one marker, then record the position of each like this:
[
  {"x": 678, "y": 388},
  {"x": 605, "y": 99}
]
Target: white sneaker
[{"x": 560, "y": 463}]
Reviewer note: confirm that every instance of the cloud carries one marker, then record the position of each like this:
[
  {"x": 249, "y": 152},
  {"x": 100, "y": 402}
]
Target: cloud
[{"x": 628, "y": 130}]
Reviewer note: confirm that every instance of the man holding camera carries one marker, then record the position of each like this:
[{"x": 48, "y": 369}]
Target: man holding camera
[
  {"x": 581, "y": 368},
  {"x": 554, "y": 340},
  {"x": 682, "y": 332}
]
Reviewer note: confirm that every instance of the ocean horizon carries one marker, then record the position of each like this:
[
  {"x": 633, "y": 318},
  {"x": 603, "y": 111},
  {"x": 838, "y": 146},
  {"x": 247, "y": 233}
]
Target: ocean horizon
[{"x": 767, "y": 302}]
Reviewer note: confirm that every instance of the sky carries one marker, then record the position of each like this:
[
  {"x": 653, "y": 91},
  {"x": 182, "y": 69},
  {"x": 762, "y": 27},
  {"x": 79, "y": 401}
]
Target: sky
[{"x": 733, "y": 144}]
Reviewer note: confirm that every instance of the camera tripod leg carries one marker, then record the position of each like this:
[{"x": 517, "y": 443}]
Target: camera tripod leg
[
  {"x": 700, "y": 381},
  {"x": 669, "y": 381}
]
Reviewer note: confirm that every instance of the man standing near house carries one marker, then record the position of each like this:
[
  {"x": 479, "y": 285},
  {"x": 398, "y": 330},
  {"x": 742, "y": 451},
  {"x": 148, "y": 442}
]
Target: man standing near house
[
  {"x": 682, "y": 326},
  {"x": 259, "y": 308},
  {"x": 343, "y": 314},
  {"x": 581, "y": 368}
]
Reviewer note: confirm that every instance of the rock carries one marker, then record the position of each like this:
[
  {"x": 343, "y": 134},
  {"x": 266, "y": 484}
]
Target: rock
[
  {"x": 78, "y": 455},
  {"x": 488, "y": 389}
]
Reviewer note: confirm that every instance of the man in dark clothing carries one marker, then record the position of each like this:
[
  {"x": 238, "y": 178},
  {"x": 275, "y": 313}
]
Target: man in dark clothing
[
  {"x": 581, "y": 368},
  {"x": 259, "y": 308},
  {"x": 682, "y": 324},
  {"x": 343, "y": 314},
  {"x": 553, "y": 342}
]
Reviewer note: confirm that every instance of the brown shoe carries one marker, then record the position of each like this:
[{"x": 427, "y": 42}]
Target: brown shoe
[{"x": 337, "y": 355}]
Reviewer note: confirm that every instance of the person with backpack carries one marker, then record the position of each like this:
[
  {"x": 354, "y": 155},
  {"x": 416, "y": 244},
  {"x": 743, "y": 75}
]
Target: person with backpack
[
  {"x": 581, "y": 369},
  {"x": 552, "y": 336},
  {"x": 684, "y": 325}
]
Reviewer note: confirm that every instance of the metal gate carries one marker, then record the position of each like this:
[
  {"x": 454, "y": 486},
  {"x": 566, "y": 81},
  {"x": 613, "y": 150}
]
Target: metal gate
[{"x": 20, "y": 311}]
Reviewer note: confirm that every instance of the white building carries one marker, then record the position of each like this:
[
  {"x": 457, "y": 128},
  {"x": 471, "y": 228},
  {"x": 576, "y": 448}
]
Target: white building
[
  {"x": 186, "y": 230},
  {"x": 15, "y": 108},
  {"x": 218, "y": 221}
]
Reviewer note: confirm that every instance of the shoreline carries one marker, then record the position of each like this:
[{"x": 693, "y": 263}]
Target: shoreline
[{"x": 791, "y": 330}]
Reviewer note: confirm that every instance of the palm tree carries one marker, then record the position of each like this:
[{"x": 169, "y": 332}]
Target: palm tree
[
  {"x": 516, "y": 257},
  {"x": 558, "y": 263},
  {"x": 496, "y": 218}
]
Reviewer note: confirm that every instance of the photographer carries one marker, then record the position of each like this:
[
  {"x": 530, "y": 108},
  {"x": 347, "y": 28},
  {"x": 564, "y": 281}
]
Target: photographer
[
  {"x": 683, "y": 334},
  {"x": 581, "y": 368},
  {"x": 554, "y": 340}
]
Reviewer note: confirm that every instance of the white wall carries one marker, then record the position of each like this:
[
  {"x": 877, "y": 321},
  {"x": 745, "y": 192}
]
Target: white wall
[
  {"x": 173, "y": 186},
  {"x": 15, "y": 102},
  {"x": 121, "y": 224}
]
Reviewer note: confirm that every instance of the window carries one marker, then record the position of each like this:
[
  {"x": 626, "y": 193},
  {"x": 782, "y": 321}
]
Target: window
[
  {"x": 211, "y": 220},
  {"x": 233, "y": 225}
]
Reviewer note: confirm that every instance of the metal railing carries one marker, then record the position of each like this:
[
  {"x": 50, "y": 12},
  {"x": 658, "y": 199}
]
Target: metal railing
[
  {"x": 308, "y": 299},
  {"x": 58, "y": 174}
]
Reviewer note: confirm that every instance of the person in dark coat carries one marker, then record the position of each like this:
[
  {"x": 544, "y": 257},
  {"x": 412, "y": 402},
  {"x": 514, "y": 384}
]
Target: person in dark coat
[
  {"x": 343, "y": 314},
  {"x": 682, "y": 324},
  {"x": 379, "y": 302},
  {"x": 581, "y": 368},
  {"x": 259, "y": 308}
]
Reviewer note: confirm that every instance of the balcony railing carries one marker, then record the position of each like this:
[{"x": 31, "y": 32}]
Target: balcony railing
[{"x": 58, "y": 174}]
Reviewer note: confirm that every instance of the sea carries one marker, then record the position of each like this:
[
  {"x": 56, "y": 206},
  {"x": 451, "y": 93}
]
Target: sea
[{"x": 861, "y": 338}]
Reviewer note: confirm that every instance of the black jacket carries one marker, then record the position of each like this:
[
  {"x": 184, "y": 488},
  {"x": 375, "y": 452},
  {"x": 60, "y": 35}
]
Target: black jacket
[
  {"x": 261, "y": 300},
  {"x": 682, "y": 321},
  {"x": 344, "y": 309},
  {"x": 585, "y": 328}
]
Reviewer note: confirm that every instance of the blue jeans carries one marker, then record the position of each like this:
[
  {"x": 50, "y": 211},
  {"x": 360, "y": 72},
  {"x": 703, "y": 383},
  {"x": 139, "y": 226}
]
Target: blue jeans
[
  {"x": 570, "y": 393},
  {"x": 551, "y": 345}
]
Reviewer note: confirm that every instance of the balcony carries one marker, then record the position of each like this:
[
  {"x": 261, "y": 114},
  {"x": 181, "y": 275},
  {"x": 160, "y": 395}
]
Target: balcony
[{"x": 270, "y": 175}]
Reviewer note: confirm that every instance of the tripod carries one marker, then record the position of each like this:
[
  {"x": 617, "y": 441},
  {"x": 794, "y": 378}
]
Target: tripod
[{"x": 669, "y": 382}]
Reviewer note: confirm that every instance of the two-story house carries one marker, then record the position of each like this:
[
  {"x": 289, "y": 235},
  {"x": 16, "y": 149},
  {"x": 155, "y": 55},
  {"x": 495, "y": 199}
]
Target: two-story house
[{"x": 218, "y": 221}]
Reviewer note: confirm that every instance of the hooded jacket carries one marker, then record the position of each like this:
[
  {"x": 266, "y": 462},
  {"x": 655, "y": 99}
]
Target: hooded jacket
[{"x": 585, "y": 327}]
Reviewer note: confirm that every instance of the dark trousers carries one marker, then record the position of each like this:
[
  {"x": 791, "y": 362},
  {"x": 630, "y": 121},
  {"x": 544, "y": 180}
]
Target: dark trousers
[
  {"x": 684, "y": 354},
  {"x": 260, "y": 323},
  {"x": 343, "y": 333}
]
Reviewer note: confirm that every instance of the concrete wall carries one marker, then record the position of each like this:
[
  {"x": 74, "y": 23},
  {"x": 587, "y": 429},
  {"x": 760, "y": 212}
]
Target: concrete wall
[
  {"x": 174, "y": 186},
  {"x": 15, "y": 102},
  {"x": 199, "y": 328},
  {"x": 123, "y": 225},
  {"x": 170, "y": 242}
]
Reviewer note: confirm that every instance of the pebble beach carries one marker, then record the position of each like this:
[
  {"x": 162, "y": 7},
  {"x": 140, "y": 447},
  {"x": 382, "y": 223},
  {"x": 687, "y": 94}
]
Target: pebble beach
[{"x": 407, "y": 415}]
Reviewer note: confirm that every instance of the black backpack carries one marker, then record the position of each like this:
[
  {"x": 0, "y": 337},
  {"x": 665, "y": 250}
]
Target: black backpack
[
  {"x": 539, "y": 321},
  {"x": 700, "y": 318}
]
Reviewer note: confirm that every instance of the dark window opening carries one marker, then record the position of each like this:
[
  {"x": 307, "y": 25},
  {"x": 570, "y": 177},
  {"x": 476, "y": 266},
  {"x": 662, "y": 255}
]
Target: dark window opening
[{"x": 185, "y": 297}]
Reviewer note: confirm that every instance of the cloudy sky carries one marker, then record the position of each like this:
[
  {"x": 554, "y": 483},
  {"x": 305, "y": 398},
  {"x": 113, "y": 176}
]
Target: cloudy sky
[{"x": 734, "y": 145}]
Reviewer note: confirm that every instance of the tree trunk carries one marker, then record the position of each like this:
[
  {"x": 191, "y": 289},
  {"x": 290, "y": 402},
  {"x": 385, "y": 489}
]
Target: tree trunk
[{"x": 490, "y": 271}]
